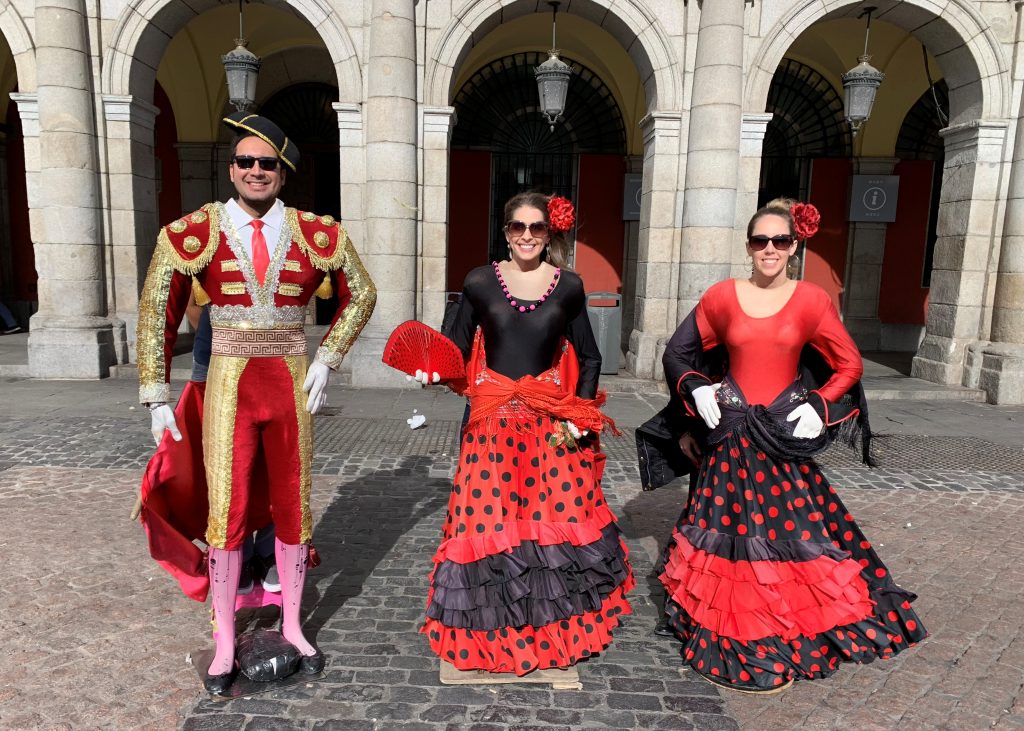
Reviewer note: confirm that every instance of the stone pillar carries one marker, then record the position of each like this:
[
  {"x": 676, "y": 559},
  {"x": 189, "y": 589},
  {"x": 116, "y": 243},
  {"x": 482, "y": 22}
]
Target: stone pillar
[
  {"x": 437, "y": 134},
  {"x": 658, "y": 250},
  {"x": 28, "y": 109},
  {"x": 389, "y": 247},
  {"x": 131, "y": 170},
  {"x": 203, "y": 168},
  {"x": 864, "y": 267},
  {"x": 752, "y": 131},
  {"x": 71, "y": 335},
  {"x": 713, "y": 152},
  {"x": 967, "y": 207},
  {"x": 1002, "y": 360}
]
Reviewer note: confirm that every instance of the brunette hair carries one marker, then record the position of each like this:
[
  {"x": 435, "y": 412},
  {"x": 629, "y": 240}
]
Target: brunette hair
[
  {"x": 775, "y": 207},
  {"x": 557, "y": 249}
]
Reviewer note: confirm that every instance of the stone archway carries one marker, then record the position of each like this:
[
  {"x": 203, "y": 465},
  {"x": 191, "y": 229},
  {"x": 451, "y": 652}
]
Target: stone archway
[
  {"x": 977, "y": 72},
  {"x": 145, "y": 27},
  {"x": 138, "y": 43},
  {"x": 643, "y": 37}
]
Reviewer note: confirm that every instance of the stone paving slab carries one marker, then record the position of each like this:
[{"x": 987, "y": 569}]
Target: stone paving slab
[{"x": 99, "y": 634}]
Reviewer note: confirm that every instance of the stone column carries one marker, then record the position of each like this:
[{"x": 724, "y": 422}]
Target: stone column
[
  {"x": 658, "y": 250},
  {"x": 203, "y": 169},
  {"x": 967, "y": 207},
  {"x": 71, "y": 335},
  {"x": 1002, "y": 360},
  {"x": 389, "y": 247},
  {"x": 752, "y": 131},
  {"x": 864, "y": 267},
  {"x": 131, "y": 170},
  {"x": 713, "y": 152},
  {"x": 28, "y": 109},
  {"x": 438, "y": 123}
]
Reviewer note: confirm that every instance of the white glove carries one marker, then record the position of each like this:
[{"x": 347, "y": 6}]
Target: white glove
[
  {"x": 707, "y": 405},
  {"x": 316, "y": 386},
  {"x": 809, "y": 424},
  {"x": 576, "y": 432},
  {"x": 424, "y": 377},
  {"x": 161, "y": 417}
]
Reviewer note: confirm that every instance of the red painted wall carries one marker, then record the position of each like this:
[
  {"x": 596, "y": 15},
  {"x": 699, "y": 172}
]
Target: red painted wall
[
  {"x": 825, "y": 255},
  {"x": 165, "y": 136},
  {"x": 600, "y": 232},
  {"x": 902, "y": 299},
  {"x": 469, "y": 214},
  {"x": 22, "y": 256}
]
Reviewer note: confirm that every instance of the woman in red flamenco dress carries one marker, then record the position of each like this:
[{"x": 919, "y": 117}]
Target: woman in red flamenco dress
[
  {"x": 531, "y": 571},
  {"x": 768, "y": 578}
]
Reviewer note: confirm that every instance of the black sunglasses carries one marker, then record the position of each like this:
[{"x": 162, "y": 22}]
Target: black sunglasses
[
  {"x": 518, "y": 228},
  {"x": 760, "y": 242},
  {"x": 245, "y": 162}
]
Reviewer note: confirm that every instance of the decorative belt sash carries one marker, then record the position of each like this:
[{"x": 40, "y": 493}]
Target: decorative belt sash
[{"x": 258, "y": 343}]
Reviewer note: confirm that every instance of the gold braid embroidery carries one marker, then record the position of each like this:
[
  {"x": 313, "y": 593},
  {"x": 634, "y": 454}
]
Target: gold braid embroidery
[
  {"x": 324, "y": 264},
  {"x": 149, "y": 334},
  {"x": 364, "y": 297},
  {"x": 219, "y": 411},
  {"x": 194, "y": 266},
  {"x": 297, "y": 366}
]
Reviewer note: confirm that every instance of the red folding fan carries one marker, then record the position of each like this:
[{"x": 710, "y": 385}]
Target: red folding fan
[{"x": 414, "y": 345}]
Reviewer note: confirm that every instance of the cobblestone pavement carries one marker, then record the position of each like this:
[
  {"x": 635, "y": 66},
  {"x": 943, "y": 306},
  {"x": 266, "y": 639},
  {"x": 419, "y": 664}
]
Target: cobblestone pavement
[{"x": 96, "y": 635}]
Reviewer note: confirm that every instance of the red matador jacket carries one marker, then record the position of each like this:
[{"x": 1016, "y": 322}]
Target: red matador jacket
[{"x": 203, "y": 252}]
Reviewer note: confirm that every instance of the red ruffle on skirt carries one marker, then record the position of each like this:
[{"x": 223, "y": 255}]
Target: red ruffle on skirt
[
  {"x": 750, "y": 600},
  {"x": 523, "y": 649},
  {"x": 474, "y": 548}
]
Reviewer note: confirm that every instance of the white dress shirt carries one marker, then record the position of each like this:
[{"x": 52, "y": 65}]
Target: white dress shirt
[{"x": 272, "y": 223}]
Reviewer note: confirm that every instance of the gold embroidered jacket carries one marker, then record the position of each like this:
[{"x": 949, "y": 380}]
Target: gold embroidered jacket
[{"x": 202, "y": 251}]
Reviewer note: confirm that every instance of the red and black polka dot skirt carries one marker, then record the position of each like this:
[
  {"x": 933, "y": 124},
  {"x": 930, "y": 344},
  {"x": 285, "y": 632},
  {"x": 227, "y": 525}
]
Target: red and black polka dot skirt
[
  {"x": 769, "y": 579},
  {"x": 532, "y": 571}
]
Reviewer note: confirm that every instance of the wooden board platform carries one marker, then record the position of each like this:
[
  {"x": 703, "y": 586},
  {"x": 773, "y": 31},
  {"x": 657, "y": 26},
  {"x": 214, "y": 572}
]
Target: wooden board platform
[{"x": 568, "y": 679}]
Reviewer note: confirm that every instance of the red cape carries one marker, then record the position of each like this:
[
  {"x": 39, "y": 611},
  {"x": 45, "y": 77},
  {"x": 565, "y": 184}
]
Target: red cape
[{"x": 174, "y": 498}]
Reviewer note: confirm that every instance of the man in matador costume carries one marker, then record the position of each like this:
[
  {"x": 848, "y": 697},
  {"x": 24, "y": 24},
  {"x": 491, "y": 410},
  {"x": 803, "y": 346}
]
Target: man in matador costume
[{"x": 258, "y": 264}]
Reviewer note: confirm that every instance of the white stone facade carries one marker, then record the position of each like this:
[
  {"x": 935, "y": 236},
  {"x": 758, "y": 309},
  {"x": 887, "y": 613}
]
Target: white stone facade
[{"x": 85, "y": 94}]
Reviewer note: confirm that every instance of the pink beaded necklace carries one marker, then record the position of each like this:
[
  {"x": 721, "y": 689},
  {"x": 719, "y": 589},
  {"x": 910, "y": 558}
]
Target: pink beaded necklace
[{"x": 512, "y": 300}]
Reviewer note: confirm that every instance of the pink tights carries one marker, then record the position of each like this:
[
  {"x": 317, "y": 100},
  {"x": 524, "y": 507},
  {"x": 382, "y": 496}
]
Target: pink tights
[
  {"x": 291, "y": 564},
  {"x": 225, "y": 567}
]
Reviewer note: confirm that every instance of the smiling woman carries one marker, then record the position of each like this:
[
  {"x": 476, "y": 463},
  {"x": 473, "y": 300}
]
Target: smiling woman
[
  {"x": 768, "y": 578},
  {"x": 531, "y": 572}
]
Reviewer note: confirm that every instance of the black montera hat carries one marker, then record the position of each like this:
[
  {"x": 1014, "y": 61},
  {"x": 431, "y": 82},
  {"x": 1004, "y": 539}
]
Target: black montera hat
[{"x": 246, "y": 124}]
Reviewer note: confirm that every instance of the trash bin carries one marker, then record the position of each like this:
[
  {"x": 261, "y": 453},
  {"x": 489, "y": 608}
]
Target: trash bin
[{"x": 606, "y": 321}]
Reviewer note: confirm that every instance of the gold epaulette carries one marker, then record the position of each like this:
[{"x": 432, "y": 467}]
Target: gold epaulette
[
  {"x": 192, "y": 240},
  {"x": 321, "y": 238}
]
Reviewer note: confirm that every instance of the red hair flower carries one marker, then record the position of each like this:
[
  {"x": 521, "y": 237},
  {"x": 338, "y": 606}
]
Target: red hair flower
[
  {"x": 805, "y": 219},
  {"x": 561, "y": 214}
]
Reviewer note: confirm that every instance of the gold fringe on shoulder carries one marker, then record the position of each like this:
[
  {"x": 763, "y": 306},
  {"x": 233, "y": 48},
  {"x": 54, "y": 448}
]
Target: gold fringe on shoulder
[
  {"x": 323, "y": 263},
  {"x": 196, "y": 265}
]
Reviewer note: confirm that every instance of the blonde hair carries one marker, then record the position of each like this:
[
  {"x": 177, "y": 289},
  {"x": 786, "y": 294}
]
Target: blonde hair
[{"x": 775, "y": 207}]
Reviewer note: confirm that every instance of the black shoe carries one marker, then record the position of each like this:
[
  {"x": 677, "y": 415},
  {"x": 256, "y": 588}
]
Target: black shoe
[
  {"x": 662, "y": 629},
  {"x": 217, "y": 684},
  {"x": 312, "y": 664}
]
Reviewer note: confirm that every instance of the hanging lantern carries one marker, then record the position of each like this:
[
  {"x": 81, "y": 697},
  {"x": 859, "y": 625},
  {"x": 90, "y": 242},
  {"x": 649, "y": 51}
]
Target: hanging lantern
[
  {"x": 553, "y": 78},
  {"x": 861, "y": 84},
  {"x": 242, "y": 68}
]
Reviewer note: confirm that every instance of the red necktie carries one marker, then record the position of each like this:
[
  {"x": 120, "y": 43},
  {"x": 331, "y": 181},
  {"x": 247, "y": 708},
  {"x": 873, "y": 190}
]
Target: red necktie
[{"x": 260, "y": 257}]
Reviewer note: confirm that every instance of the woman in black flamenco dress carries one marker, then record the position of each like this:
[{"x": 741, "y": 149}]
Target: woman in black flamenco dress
[
  {"x": 531, "y": 571},
  {"x": 767, "y": 575}
]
